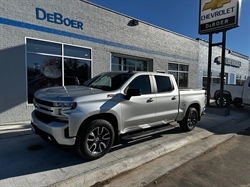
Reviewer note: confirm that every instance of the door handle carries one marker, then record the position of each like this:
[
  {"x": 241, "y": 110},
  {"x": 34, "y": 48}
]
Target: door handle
[
  {"x": 174, "y": 98},
  {"x": 150, "y": 100}
]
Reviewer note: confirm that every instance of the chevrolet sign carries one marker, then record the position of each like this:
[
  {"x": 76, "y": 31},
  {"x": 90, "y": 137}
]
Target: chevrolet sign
[
  {"x": 218, "y": 15},
  {"x": 228, "y": 62}
]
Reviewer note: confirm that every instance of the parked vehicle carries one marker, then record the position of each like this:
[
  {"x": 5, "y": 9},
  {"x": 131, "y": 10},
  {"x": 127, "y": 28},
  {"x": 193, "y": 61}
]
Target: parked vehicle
[
  {"x": 114, "y": 105},
  {"x": 232, "y": 94}
]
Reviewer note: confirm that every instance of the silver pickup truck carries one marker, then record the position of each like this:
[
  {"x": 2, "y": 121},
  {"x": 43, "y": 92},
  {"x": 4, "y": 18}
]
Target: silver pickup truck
[{"x": 111, "y": 106}]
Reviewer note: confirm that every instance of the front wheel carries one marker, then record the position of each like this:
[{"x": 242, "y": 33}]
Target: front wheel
[
  {"x": 238, "y": 103},
  {"x": 95, "y": 139},
  {"x": 189, "y": 121}
]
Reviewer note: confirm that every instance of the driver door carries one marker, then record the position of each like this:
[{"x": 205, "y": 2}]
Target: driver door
[{"x": 139, "y": 111}]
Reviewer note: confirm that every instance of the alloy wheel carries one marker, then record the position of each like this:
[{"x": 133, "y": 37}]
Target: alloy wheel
[
  {"x": 98, "y": 140},
  {"x": 192, "y": 119}
]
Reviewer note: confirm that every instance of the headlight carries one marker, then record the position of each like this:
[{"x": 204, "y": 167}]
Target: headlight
[{"x": 65, "y": 104}]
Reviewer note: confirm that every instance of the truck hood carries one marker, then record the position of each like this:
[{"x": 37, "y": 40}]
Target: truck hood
[{"x": 65, "y": 93}]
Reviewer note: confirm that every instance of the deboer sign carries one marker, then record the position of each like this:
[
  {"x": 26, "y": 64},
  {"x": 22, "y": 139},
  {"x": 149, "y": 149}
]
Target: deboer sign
[{"x": 218, "y": 15}]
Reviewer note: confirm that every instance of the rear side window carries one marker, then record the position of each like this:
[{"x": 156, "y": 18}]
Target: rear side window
[{"x": 163, "y": 84}]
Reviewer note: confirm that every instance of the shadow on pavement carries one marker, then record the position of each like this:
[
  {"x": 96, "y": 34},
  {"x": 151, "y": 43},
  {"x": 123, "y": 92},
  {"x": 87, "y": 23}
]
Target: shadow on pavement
[{"x": 23, "y": 155}]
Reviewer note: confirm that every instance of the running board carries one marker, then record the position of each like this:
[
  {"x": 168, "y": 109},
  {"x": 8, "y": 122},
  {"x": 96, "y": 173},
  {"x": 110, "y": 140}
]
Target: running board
[{"x": 148, "y": 132}]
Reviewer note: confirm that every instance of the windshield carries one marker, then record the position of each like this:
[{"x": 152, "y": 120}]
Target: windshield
[
  {"x": 108, "y": 81},
  {"x": 88, "y": 82}
]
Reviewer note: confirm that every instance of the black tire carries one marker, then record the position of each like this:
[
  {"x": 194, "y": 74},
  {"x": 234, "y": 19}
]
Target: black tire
[
  {"x": 226, "y": 101},
  {"x": 238, "y": 103},
  {"x": 95, "y": 139},
  {"x": 189, "y": 121}
]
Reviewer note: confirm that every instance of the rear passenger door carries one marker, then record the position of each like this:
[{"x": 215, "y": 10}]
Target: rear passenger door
[{"x": 167, "y": 99}]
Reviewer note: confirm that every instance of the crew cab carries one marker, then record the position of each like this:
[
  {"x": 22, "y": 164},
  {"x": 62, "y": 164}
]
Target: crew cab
[
  {"x": 111, "y": 106},
  {"x": 232, "y": 94}
]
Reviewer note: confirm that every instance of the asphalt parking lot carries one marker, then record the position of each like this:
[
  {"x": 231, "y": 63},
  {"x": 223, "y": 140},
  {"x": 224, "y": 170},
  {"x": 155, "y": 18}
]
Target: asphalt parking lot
[
  {"x": 27, "y": 160},
  {"x": 228, "y": 165}
]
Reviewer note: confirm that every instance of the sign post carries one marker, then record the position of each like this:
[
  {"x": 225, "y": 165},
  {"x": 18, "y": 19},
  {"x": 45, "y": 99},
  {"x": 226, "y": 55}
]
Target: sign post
[
  {"x": 218, "y": 16},
  {"x": 222, "y": 68},
  {"x": 209, "y": 68}
]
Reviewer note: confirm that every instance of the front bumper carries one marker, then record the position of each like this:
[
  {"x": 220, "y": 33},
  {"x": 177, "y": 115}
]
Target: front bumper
[{"x": 53, "y": 131}]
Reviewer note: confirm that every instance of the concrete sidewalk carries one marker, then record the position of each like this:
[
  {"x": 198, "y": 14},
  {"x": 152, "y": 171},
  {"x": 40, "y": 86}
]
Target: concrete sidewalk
[
  {"x": 27, "y": 160},
  {"x": 14, "y": 129}
]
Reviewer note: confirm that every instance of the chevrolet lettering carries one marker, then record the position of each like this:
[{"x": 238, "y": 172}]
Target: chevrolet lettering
[
  {"x": 218, "y": 13},
  {"x": 58, "y": 18},
  {"x": 228, "y": 62}
]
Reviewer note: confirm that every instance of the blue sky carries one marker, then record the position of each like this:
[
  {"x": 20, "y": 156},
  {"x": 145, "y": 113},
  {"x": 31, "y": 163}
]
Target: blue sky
[{"x": 181, "y": 16}]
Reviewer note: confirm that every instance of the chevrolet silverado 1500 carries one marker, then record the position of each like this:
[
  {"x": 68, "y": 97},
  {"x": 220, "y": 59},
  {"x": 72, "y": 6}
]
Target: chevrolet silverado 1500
[{"x": 111, "y": 106}]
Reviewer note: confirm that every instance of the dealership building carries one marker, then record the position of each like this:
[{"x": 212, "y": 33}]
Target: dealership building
[{"x": 51, "y": 43}]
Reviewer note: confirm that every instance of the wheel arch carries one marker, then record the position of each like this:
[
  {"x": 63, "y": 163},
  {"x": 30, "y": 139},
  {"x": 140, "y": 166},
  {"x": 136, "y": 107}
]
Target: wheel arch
[{"x": 111, "y": 118}]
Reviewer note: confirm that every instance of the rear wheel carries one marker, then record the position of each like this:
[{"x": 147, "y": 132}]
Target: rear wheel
[
  {"x": 225, "y": 101},
  {"x": 189, "y": 121},
  {"x": 95, "y": 139}
]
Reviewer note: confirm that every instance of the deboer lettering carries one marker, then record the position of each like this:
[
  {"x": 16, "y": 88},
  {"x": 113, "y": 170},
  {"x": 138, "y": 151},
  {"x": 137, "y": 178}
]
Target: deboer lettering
[
  {"x": 217, "y": 23},
  {"x": 58, "y": 18}
]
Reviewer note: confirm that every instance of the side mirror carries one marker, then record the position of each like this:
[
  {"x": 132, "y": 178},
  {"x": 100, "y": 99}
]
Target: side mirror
[{"x": 132, "y": 92}]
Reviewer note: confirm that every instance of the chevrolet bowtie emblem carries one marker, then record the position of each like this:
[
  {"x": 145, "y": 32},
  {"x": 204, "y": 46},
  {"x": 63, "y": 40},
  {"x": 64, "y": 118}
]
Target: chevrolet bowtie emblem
[{"x": 214, "y": 4}]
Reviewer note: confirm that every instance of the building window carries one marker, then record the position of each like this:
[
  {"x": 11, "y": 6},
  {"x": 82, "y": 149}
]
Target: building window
[
  {"x": 55, "y": 64},
  {"x": 215, "y": 78},
  {"x": 180, "y": 73},
  {"x": 240, "y": 80},
  {"x": 129, "y": 64}
]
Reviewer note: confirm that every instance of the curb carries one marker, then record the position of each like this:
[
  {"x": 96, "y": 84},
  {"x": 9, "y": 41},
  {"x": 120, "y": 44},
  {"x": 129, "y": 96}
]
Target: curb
[{"x": 14, "y": 130}]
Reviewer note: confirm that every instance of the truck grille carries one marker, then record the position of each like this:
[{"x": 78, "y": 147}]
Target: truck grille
[
  {"x": 42, "y": 102},
  {"x": 48, "y": 118}
]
